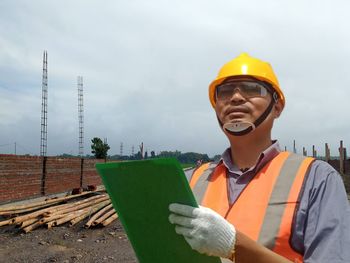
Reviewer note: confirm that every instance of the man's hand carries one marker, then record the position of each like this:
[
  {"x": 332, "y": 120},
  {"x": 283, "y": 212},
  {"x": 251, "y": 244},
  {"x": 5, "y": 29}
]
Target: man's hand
[{"x": 204, "y": 230}]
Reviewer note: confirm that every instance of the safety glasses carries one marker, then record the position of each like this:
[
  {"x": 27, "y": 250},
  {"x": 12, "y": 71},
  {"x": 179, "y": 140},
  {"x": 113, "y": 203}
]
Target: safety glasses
[{"x": 248, "y": 89}]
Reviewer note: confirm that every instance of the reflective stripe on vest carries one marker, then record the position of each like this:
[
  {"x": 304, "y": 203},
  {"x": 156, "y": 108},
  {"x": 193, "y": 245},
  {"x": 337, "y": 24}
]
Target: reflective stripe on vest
[{"x": 264, "y": 210}]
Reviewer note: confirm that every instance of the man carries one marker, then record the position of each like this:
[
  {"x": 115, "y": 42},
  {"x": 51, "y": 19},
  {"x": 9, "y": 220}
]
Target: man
[{"x": 259, "y": 204}]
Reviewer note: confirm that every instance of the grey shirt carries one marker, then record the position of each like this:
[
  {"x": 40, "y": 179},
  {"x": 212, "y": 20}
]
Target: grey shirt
[{"x": 321, "y": 229}]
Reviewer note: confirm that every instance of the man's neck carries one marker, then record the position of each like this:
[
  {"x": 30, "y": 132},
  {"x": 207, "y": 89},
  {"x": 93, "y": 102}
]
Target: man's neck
[{"x": 245, "y": 151}]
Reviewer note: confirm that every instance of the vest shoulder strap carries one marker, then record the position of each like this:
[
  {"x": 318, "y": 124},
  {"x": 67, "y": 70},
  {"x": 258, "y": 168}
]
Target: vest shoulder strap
[
  {"x": 291, "y": 173},
  {"x": 201, "y": 180}
]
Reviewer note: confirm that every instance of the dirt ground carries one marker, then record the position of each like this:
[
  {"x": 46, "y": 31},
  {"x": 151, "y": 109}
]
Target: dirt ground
[{"x": 65, "y": 244}]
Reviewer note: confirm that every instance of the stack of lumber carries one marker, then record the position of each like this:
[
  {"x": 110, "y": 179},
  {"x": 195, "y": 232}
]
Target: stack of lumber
[{"x": 94, "y": 206}]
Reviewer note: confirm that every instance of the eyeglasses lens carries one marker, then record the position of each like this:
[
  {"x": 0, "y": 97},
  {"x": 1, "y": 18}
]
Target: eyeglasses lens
[{"x": 246, "y": 89}]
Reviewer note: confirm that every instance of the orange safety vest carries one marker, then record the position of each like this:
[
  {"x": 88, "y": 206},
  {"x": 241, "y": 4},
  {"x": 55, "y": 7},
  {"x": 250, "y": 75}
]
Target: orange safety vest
[{"x": 265, "y": 209}]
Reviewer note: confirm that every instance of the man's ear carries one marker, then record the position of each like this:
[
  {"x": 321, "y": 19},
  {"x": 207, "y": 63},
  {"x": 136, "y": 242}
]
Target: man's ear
[{"x": 278, "y": 108}]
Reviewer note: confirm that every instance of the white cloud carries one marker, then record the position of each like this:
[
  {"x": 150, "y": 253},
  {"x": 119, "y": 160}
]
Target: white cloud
[{"x": 147, "y": 65}]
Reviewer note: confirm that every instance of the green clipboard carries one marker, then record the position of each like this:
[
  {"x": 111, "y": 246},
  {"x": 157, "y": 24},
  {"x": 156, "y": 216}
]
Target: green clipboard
[{"x": 141, "y": 192}]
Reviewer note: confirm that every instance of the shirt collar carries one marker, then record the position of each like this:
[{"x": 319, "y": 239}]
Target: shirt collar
[{"x": 267, "y": 155}]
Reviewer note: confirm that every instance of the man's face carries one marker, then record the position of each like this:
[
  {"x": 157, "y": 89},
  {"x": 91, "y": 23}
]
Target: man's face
[{"x": 241, "y": 105}]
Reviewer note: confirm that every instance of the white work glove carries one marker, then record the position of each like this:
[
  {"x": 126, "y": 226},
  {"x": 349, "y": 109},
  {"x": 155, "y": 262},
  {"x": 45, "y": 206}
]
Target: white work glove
[{"x": 204, "y": 230}]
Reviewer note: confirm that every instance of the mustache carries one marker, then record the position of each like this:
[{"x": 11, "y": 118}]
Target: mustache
[{"x": 240, "y": 108}]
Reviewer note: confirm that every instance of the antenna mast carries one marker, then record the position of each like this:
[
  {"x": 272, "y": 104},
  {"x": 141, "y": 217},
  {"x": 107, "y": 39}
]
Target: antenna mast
[
  {"x": 121, "y": 149},
  {"x": 81, "y": 115},
  {"x": 43, "y": 143}
]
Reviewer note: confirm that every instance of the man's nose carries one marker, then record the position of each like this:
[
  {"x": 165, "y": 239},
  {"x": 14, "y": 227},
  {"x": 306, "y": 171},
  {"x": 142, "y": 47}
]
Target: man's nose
[{"x": 237, "y": 96}]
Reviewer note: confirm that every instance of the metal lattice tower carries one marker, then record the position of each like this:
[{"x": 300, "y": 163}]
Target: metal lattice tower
[
  {"x": 43, "y": 143},
  {"x": 121, "y": 149},
  {"x": 81, "y": 115}
]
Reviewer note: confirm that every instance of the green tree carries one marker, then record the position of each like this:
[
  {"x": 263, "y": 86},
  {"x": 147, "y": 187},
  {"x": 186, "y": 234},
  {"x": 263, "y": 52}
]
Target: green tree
[
  {"x": 192, "y": 157},
  {"x": 153, "y": 154},
  {"x": 99, "y": 148},
  {"x": 166, "y": 154}
]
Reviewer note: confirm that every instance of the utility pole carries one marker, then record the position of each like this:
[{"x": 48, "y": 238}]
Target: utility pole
[
  {"x": 304, "y": 151},
  {"x": 341, "y": 158},
  {"x": 294, "y": 147},
  {"x": 314, "y": 152},
  {"x": 327, "y": 153},
  {"x": 141, "y": 150}
]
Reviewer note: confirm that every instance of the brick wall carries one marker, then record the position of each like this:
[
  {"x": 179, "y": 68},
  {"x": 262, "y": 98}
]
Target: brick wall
[
  {"x": 62, "y": 174},
  {"x": 90, "y": 177},
  {"x": 22, "y": 177}
]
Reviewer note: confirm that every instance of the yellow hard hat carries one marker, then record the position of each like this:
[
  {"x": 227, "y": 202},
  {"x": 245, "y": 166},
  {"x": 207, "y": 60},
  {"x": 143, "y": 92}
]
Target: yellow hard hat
[{"x": 245, "y": 65}]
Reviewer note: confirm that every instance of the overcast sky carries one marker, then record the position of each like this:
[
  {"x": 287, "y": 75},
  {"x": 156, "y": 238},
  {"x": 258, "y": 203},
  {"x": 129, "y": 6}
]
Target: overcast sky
[{"x": 147, "y": 65}]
